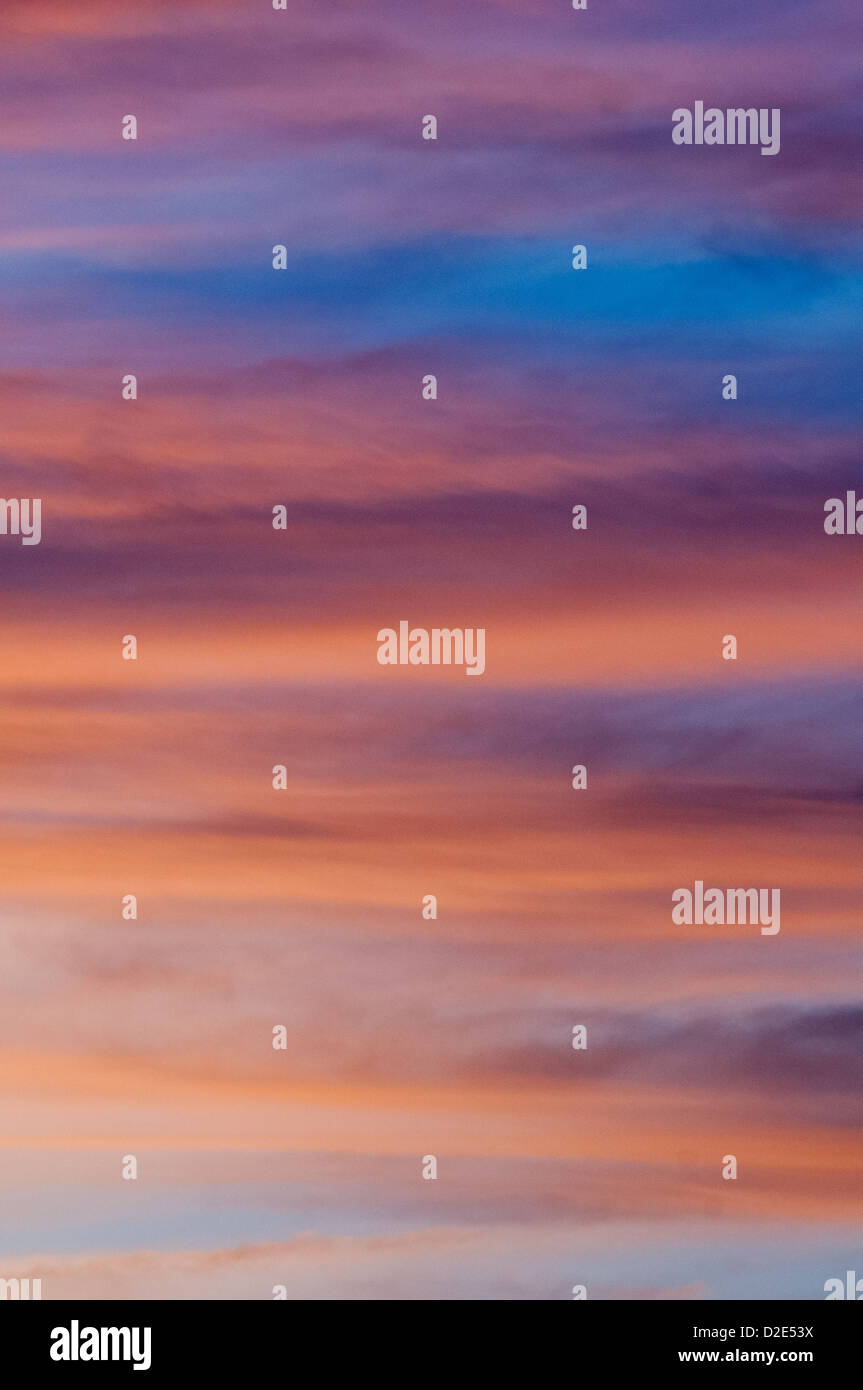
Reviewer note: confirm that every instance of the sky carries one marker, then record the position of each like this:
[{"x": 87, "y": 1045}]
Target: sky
[{"x": 407, "y": 1036}]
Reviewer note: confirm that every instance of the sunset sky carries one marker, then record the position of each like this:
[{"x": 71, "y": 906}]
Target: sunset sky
[{"x": 257, "y": 647}]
